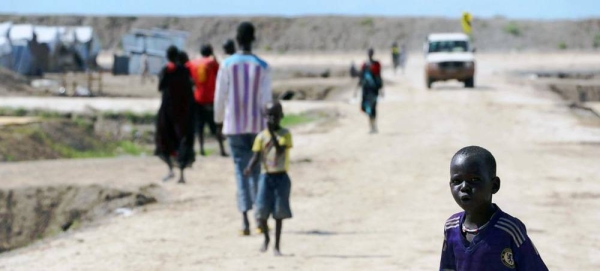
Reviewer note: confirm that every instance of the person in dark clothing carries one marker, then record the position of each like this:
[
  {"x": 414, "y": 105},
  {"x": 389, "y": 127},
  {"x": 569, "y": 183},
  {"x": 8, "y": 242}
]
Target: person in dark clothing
[
  {"x": 174, "y": 126},
  {"x": 372, "y": 88}
]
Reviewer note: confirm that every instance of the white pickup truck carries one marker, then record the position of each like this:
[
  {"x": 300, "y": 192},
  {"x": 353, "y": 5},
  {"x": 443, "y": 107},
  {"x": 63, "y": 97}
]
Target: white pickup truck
[{"x": 449, "y": 56}]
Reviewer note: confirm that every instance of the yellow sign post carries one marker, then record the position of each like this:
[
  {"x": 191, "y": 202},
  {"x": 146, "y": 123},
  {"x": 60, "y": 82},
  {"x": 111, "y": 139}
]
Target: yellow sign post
[{"x": 465, "y": 21}]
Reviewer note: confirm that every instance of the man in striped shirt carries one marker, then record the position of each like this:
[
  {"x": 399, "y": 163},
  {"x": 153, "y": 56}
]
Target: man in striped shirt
[
  {"x": 243, "y": 89},
  {"x": 483, "y": 237}
]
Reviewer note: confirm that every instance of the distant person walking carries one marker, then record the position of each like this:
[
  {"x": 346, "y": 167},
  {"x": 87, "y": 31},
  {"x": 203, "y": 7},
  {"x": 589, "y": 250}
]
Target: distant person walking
[
  {"x": 145, "y": 67},
  {"x": 395, "y": 56},
  {"x": 372, "y": 88},
  {"x": 403, "y": 57},
  {"x": 243, "y": 89},
  {"x": 174, "y": 125},
  {"x": 204, "y": 72}
]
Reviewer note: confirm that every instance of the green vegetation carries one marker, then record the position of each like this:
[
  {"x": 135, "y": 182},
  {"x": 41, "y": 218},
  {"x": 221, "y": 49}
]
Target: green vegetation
[
  {"x": 562, "y": 45},
  {"x": 99, "y": 150},
  {"x": 367, "y": 22},
  {"x": 513, "y": 28},
  {"x": 130, "y": 148},
  {"x": 596, "y": 42},
  {"x": 135, "y": 118},
  {"x": 21, "y": 112},
  {"x": 296, "y": 119},
  {"x": 268, "y": 48},
  {"x": 209, "y": 151},
  {"x": 57, "y": 138}
]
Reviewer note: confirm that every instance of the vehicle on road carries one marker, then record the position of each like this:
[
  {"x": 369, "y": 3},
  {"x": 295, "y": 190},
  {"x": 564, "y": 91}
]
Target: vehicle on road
[{"x": 449, "y": 56}]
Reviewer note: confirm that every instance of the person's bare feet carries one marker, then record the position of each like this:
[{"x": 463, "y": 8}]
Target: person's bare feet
[
  {"x": 169, "y": 176},
  {"x": 265, "y": 246}
]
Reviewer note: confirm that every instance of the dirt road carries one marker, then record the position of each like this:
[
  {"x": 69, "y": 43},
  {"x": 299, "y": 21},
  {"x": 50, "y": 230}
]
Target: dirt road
[{"x": 360, "y": 201}]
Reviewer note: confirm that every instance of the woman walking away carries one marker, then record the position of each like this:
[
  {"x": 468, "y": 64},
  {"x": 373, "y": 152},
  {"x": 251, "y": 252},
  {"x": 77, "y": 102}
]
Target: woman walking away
[{"x": 174, "y": 126}]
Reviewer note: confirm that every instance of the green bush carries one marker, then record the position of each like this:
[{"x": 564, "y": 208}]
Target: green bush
[
  {"x": 596, "y": 43},
  {"x": 21, "y": 112},
  {"x": 562, "y": 45},
  {"x": 513, "y": 28},
  {"x": 367, "y": 22}
]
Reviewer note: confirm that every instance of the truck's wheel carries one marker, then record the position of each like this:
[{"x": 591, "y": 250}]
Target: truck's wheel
[
  {"x": 470, "y": 83},
  {"x": 429, "y": 82}
]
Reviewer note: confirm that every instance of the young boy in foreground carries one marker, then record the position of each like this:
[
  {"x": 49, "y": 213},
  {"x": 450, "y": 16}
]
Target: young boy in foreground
[
  {"x": 272, "y": 146},
  {"x": 483, "y": 237}
]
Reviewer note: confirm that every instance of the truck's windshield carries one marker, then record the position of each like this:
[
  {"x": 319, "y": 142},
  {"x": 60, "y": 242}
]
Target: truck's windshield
[{"x": 448, "y": 46}]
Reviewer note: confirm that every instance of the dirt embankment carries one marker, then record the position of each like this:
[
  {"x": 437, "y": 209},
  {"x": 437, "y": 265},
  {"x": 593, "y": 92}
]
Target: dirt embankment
[
  {"x": 576, "y": 86},
  {"x": 337, "y": 33},
  {"x": 31, "y": 213},
  {"x": 12, "y": 83}
]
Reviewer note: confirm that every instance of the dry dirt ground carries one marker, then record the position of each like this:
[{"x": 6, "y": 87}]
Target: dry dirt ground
[{"x": 360, "y": 201}]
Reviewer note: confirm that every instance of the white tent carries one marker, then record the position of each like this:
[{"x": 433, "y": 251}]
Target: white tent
[
  {"x": 22, "y": 53},
  {"x": 48, "y": 35},
  {"x": 84, "y": 39},
  {"x": 4, "y": 27}
]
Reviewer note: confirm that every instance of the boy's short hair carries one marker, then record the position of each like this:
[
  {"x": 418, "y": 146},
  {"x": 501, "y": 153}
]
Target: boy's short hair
[
  {"x": 229, "y": 46},
  {"x": 481, "y": 154},
  {"x": 206, "y": 50},
  {"x": 275, "y": 104},
  {"x": 183, "y": 57},
  {"x": 172, "y": 53},
  {"x": 245, "y": 32}
]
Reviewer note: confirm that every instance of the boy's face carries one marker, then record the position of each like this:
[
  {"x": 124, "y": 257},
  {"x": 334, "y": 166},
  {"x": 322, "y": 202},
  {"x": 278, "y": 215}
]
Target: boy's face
[
  {"x": 471, "y": 184},
  {"x": 274, "y": 114}
]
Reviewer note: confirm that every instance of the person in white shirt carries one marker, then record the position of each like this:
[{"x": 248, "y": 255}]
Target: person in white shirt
[{"x": 243, "y": 89}]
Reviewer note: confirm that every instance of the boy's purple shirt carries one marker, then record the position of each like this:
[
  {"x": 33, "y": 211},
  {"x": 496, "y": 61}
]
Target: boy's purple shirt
[{"x": 502, "y": 245}]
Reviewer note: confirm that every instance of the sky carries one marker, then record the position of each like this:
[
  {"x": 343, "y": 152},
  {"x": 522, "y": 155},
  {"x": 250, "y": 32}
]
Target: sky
[{"x": 515, "y": 9}]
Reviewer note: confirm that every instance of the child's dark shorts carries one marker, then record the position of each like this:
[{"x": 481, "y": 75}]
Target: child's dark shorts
[{"x": 273, "y": 196}]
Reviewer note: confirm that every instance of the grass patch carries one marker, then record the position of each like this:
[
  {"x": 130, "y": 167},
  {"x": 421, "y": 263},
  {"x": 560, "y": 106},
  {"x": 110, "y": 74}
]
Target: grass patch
[
  {"x": 55, "y": 139},
  {"x": 513, "y": 28},
  {"x": 296, "y": 119},
  {"x": 135, "y": 118},
  {"x": 596, "y": 42},
  {"x": 209, "y": 151},
  {"x": 131, "y": 148},
  {"x": 100, "y": 151},
  {"x": 67, "y": 151},
  {"x": 368, "y": 22},
  {"x": 21, "y": 112},
  {"x": 562, "y": 45}
]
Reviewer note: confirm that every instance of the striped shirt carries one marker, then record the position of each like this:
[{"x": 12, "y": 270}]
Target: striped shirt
[
  {"x": 502, "y": 245},
  {"x": 243, "y": 89}
]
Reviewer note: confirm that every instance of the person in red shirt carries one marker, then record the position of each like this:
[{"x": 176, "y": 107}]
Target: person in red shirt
[{"x": 204, "y": 73}]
